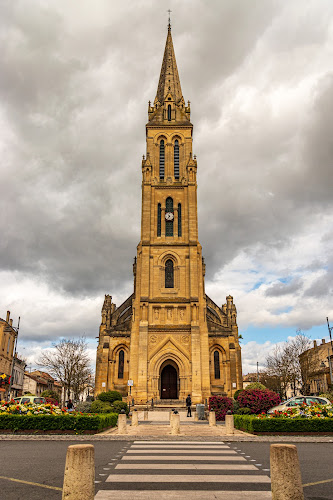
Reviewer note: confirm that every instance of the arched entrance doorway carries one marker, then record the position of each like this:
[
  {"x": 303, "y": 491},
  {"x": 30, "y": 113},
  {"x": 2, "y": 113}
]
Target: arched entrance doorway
[{"x": 169, "y": 382}]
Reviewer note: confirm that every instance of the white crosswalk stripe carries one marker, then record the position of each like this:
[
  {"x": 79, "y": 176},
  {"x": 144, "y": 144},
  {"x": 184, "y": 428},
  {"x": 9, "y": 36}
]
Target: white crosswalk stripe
[{"x": 166, "y": 470}]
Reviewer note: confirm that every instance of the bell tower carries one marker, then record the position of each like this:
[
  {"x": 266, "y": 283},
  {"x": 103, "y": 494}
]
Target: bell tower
[{"x": 175, "y": 340}]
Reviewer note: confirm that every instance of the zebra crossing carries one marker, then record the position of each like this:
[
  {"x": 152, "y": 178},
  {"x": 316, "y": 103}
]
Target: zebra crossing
[{"x": 169, "y": 470}]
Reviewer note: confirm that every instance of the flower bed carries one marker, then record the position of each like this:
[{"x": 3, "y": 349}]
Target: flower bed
[
  {"x": 29, "y": 417},
  {"x": 49, "y": 423},
  {"x": 309, "y": 419}
]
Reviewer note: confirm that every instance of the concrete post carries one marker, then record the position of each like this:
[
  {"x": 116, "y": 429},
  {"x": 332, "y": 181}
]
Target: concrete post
[
  {"x": 79, "y": 478},
  {"x": 175, "y": 424},
  {"x": 135, "y": 418},
  {"x": 229, "y": 424},
  {"x": 145, "y": 414},
  {"x": 122, "y": 425},
  {"x": 212, "y": 418},
  {"x": 196, "y": 418},
  {"x": 285, "y": 473}
]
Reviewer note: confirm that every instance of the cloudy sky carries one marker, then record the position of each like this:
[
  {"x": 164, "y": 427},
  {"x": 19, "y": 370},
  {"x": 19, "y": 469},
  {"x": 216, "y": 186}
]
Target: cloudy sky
[{"x": 75, "y": 81}]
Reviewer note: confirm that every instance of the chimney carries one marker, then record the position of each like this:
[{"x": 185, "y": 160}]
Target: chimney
[
  {"x": 8, "y": 316},
  {"x": 323, "y": 341},
  {"x": 314, "y": 343}
]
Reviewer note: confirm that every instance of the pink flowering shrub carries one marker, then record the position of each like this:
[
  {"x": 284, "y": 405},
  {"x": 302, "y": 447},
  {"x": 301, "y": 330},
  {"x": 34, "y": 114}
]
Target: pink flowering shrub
[
  {"x": 258, "y": 400},
  {"x": 221, "y": 405}
]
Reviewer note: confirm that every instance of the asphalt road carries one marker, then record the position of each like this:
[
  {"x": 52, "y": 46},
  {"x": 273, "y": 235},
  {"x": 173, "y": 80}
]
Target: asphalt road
[{"x": 43, "y": 462}]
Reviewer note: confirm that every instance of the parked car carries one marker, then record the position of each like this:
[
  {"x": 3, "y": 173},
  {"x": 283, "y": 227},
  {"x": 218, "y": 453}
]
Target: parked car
[
  {"x": 30, "y": 399},
  {"x": 298, "y": 401}
]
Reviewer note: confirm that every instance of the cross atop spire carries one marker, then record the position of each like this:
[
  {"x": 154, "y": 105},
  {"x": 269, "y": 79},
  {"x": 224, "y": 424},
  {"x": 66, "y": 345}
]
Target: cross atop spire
[
  {"x": 169, "y": 82},
  {"x": 169, "y": 21}
]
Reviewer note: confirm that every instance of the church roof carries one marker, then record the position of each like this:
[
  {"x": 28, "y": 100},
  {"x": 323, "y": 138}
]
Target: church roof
[{"x": 169, "y": 82}]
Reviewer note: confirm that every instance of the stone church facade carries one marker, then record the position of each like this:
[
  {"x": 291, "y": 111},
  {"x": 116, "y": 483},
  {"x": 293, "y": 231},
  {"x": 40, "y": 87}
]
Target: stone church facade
[{"x": 169, "y": 337}]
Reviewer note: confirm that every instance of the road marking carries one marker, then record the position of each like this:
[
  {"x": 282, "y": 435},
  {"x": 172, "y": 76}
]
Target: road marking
[
  {"x": 318, "y": 482},
  {"x": 188, "y": 466},
  {"x": 181, "y": 446},
  {"x": 148, "y": 443},
  {"x": 207, "y": 451},
  {"x": 31, "y": 483},
  {"x": 183, "y": 457},
  {"x": 176, "y": 495},
  {"x": 190, "y": 478}
]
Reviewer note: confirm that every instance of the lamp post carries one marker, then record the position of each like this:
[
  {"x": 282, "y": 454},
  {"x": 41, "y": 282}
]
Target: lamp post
[{"x": 257, "y": 371}]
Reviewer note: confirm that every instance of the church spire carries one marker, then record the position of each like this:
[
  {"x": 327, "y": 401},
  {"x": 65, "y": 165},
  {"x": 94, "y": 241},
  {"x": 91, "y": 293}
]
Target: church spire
[{"x": 169, "y": 82}]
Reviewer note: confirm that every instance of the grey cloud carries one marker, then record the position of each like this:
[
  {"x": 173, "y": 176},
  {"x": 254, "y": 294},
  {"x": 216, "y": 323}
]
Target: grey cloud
[
  {"x": 74, "y": 90},
  {"x": 279, "y": 289}
]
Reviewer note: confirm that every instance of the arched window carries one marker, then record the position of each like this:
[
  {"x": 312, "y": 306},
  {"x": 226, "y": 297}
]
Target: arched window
[
  {"x": 159, "y": 219},
  {"x": 162, "y": 159},
  {"x": 121, "y": 364},
  {"x": 217, "y": 364},
  {"x": 169, "y": 218},
  {"x": 169, "y": 281},
  {"x": 176, "y": 159},
  {"x": 169, "y": 112},
  {"x": 179, "y": 219}
]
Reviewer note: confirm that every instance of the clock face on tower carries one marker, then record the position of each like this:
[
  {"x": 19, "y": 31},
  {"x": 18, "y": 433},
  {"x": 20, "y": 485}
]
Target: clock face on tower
[{"x": 169, "y": 216}]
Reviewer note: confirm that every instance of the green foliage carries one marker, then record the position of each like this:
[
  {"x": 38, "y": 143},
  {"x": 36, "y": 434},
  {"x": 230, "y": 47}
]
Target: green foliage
[
  {"x": 101, "y": 407},
  {"x": 276, "y": 425},
  {"x": 243, "y": 411},
  {"x": 256, "y": 385},
  {"x": 84, "y": 407},
  {"x": 50, "y": 394},
  {"x": 57, "y": 422},
  {"x": 328, "y": 395},
  {"x": 120, "y": 405},
  {"x": 110, "y": 396},
  {"x": 237, "y": 393}
]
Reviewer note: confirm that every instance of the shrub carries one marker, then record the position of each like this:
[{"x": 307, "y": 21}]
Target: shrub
[
  {"x": 101, "y": 407},
  {"x": 258, "y": 400},
  {"x": 256, "y": 385},
  {"x": 299, "y": 424},
  {"x": 120, "y": 405},
  {"x": 50, "y": 394},
  {"x": 221, "y": 405},
  {"x": 327, "y": 395},
  {"x": 52, "y": 401},
  {"x": 110, "y": 396},
  {"x": 237, "y": 393},
  {"x": 243, "y": 411},
  {"x": 57, "y": 422},
  {"x": 84, "y": 407}
]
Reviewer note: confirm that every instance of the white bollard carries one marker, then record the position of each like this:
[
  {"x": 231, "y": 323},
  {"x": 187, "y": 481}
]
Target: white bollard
[
  {"x": 145, "y": 414},
  {"x": 122, "y": 425},
  {"x": 175, "y": 424},
  {"x": 135, "y": 418},
  {"x": 285, "y": 473},
  {"x": 79, "y": 478},
  {"x": 212, "y": 418},
  {"x": 229, "y": 424}
]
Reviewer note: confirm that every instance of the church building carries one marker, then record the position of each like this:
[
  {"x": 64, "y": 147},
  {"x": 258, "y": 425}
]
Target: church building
[{"x": 169, "y": 339}]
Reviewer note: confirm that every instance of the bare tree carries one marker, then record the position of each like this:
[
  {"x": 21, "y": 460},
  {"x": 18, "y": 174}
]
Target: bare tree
[
  {"x": 69, "y": 363},
  {"x": 284, "y": 363}
]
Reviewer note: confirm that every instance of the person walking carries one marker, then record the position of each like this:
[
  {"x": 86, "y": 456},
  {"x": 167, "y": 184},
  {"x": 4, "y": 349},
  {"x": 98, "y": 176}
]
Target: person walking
[{"x": 189, "y": 404}]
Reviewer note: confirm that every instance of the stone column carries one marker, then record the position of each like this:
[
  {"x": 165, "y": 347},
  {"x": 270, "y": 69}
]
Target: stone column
[
  {"x": 285, "y": 473},
  {"x": 135, "y": 418},
  {"x": 229, "y": 424},
  {"x": 212, "y": 418},
  {"x": 175, "y": 424},
  {"x": 122, "y": 425},
  {"x": 79, "y": 478},
  {"x": 145, "y": 414}
]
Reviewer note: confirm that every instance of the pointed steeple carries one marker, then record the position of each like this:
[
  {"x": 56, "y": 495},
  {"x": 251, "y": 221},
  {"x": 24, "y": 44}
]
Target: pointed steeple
[{"x": 169, "y": 82}]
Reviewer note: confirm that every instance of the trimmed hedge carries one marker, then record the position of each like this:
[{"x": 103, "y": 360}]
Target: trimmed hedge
[
  {"x": 110, "y": 396},
  {"x": 248, "y": 423},
  {"x": 57, "y": 422}
]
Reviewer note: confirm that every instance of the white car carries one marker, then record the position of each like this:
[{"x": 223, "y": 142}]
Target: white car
[{"x": 298, "y": 401}]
